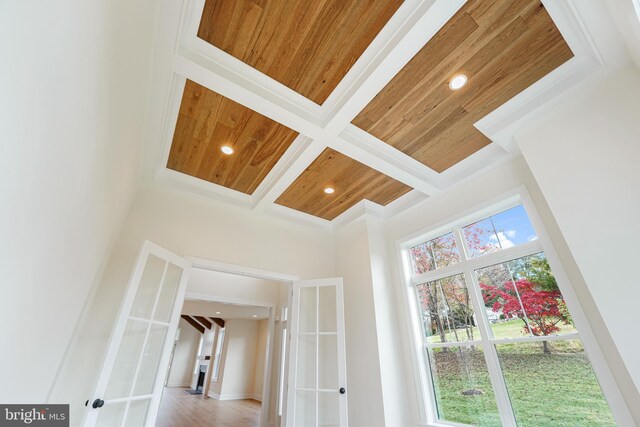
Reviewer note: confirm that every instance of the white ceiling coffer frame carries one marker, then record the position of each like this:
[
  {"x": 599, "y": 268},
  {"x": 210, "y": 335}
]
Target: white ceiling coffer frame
[{"x": 180, "y": 54}]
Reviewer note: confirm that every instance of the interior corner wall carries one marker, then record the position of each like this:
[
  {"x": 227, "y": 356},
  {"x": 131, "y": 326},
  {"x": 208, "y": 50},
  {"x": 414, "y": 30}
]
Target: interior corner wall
[
  {"x": 212, "y": 285},
  {"x": 190, "y": 226},
  {"x": 482, "y": 187},
  {"x": 392, "y": 372},
  {"x": 184, "y": 356},
  {"x": 238, "y": 376},
  {"x": 584, "y": 156},
  {"x": 216, "y": 386},
  {"x": 261, "y": 352},
  {"x": 364, "y": 386},
  {"x": 72, "y": 122}
]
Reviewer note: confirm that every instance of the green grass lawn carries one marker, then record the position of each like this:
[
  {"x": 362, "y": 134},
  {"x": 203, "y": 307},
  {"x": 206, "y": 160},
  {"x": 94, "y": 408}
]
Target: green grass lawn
[
  {"x": 546, "y": 390},
  {"x": 508, "y": 329}
]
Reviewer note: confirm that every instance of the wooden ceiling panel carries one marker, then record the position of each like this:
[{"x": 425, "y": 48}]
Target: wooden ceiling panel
[
  {"x": 502, "y": 46},
  {"x": 206, "y": 122},
  {"x": 308, "y": 46},
  {"x": 351, "y": 180}
]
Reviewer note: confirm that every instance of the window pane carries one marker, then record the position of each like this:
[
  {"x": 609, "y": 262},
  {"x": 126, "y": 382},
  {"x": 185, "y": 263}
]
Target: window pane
[
  {"x": 436, "y": 253},
  {"x": 557, "y": 388},
  {"x": 462, "y": 387},
  {"x": 522, "y": 298},
  {"x": 445, "y": 251},
  {"x": 446, "y": 309},
  {"x": 500, "y": 231},
  {"x": 421, "y": 259}
]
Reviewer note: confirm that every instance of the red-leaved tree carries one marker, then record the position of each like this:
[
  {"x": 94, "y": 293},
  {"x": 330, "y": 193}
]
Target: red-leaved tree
[{"x": 542, "y": 308}]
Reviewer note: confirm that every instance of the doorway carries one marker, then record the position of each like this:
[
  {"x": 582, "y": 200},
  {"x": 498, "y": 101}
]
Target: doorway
[
  {"x": 227, "y": 356},
  {"x": 132, "y": 379}
]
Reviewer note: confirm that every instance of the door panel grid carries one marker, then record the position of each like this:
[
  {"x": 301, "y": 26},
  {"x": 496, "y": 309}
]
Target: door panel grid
[
  {"x": 318, "y": 365},
  {"x": 131, "y": 377}
]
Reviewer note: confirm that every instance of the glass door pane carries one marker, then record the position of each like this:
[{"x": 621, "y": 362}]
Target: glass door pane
[
  {"x": 327, "y": 309},
  {"x": 328, "y": 362},
  {"x": 139, "y": 352},
  {"x": 111, "y": 415},
  {"x": 148, "y": 370},
  {"x": 148, "y": 288},
  {"x": 138, "y": 411},
  {"x": 305, "y": 409},
  {"x": 126, "y": 362},
  {"x": 317, "y": 368},
  {"x": 307, "y": 351},
  {"x": 328, "y": 409}
]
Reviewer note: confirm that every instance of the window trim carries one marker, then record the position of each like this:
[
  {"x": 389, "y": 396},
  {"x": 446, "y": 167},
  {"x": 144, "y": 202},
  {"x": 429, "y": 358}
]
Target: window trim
[
  {"x": 421, "y": 371},
  {"x": 217, "y": 358}
]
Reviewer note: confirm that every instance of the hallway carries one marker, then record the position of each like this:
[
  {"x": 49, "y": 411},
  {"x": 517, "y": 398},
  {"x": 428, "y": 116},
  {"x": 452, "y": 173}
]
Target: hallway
[{"x": 180, "y": 409}]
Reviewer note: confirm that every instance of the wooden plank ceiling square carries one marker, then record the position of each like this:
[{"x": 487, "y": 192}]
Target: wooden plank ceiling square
[
  {"x": 502, "y": 46},
  {"x": 351, "y": 180},
  {"x": 206, "y": 122},
  {"x": 308, "y": 46}
]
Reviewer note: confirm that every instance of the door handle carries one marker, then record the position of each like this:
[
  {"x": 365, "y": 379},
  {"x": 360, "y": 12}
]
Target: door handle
[
  {"x": 342, "y": 390},
  {"x": 98, "y": 403}
]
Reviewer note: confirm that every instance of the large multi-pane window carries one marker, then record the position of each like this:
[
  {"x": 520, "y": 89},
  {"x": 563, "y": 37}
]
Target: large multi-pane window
[{"x": 497, "y": 340}]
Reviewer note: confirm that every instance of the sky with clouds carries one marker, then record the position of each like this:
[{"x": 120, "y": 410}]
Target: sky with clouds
[{"x": 512, "y": 228}]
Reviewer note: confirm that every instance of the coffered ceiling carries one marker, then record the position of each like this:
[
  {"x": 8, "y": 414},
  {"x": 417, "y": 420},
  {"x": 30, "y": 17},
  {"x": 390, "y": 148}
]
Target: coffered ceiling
[
  {"x": 354, "y": 95},
  {"x": 350, "y": 181},
  {"x": 308, "y": 46},
  {"x": 208, "y": 121},
  {"x": 501, "y": 46}
]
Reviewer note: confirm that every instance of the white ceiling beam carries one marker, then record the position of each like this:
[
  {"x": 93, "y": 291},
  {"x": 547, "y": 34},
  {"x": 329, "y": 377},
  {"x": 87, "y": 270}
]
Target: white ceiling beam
[
  {"x": 329, "y": 125},
  {"x": 352, "y": 135},
  {"x": 209, "y": 73},
  {"x": 383, "y": 59},
  {"x": 222, "y": 73},
  {"x": 302, "y": 152},
  {"x": 384, "y": 164}
]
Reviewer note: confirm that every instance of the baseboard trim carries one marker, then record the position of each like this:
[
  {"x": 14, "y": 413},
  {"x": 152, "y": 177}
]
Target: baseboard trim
[
  {"x": 257, "y": 397},
  {"x": 234, "y": 396},
  {"x": 179, "y": 385}
]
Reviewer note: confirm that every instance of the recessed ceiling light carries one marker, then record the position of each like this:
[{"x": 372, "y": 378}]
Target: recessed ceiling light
[
  {"x": 217, "y": 312},
  {"x": 255, "y": 315},
  {"x": 329, "y": 190},
  {"x": 226, "y": 149},
  {"x": 458, "y": 81}
]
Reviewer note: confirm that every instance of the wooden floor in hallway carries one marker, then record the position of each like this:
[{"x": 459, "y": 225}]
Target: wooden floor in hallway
[{"x": 180, "y": 409}]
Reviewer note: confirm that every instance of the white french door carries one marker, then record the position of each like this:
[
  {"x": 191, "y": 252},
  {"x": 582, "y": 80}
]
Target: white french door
[
  {"x": 317, "y": 369},
  {"x": 130, "y": 384}
]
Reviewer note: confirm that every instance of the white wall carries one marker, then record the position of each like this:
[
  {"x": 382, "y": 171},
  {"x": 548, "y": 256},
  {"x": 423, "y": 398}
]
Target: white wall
[
  {"x": 261, "y": 352},
  {"x": 184, "y": 356},
  {"x": 237, "y": 374},
  {"x": 186, "y": 225},
  {"x": 585, "y": 156},
  {"x": 396, "y": 411},
  {"x": 240, "y": 289},
  {"x": 377, "y": 393},
  {"x": 364, "y": 392},
  {"x": 72, "y": 113},
  {"x": 481, "y": 188}
]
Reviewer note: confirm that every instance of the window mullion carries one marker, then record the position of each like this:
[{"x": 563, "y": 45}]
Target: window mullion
[
  {"x": 491, "y": 355},
  {"x": 461, "y": 244}
]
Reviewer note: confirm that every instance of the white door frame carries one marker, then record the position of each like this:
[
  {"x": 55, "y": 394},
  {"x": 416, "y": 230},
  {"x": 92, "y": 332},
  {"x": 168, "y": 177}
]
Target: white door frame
[{"x": 241, "y": 270}]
